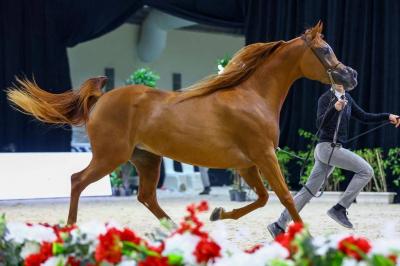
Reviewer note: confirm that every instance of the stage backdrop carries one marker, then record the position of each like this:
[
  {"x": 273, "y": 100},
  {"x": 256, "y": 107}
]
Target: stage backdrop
[{"x": 34, "y": 36}]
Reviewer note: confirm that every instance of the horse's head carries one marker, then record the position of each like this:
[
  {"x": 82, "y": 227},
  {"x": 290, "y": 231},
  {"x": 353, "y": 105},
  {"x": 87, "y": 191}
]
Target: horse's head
[{"x": 319, "y": 61}]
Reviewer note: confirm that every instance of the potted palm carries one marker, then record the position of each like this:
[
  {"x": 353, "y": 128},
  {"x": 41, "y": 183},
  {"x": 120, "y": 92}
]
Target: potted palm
[
  {"x": 237, "y": 192},
  {"x": 116, "y": 183}
]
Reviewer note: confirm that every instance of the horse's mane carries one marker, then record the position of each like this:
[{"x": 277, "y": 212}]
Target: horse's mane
[{"x": 239, "y": 69}]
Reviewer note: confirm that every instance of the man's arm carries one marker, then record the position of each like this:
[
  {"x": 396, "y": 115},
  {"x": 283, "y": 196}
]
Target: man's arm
[{"x": 358, "y": 113}]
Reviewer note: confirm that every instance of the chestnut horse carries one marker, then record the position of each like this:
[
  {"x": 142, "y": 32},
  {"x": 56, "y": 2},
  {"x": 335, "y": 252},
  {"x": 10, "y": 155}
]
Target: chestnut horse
[{"x": 230, "y": 120}]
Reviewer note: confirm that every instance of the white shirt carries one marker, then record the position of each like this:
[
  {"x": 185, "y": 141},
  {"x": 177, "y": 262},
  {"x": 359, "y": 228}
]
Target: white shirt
[{"x": 338, "y": 94}]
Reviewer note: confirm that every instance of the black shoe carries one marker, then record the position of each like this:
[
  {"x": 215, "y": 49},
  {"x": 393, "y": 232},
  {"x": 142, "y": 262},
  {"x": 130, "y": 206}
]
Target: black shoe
[
  {"x": 340, "y": 216},
  {"x": 206, "y": 191},
  {"x": 274, "y": 229}
]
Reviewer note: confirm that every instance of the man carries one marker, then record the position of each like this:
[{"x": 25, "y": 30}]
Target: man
[
  {"x": 205, "y": 179},
  {"x": 330, "y": 104}
]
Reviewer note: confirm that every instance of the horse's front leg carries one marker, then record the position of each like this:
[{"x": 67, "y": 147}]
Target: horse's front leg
[
  {"x": 269, "y": 166},
  {"x": 252, "y": 177}
]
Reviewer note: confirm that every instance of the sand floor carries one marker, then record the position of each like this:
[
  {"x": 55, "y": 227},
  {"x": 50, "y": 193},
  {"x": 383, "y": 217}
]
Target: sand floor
[{"x": 370, "y": 220}]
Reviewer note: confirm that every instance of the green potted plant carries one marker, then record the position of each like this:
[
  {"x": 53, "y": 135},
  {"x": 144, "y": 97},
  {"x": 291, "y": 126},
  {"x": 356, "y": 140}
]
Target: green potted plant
[
  {"x": 143, "y": 76},
  {"x": 116, "y": 182},
  {"x": 393, "y": 163},
  {"x": 237, "y": 192},
  {"x": 222, "y": 62}
]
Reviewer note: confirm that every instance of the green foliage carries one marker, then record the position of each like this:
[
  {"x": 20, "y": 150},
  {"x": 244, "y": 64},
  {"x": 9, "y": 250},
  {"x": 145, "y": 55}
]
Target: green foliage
[
  {"x": 375, "y": 158},
  {"x": 116, "y": 178},
  {"x": 8, "y": 249},
  {"x": 284, "y": 158},
  {"x": 143, "y": 76},
  {"x": 224, "y": 61},
  {"x": 393, "y": 163}
]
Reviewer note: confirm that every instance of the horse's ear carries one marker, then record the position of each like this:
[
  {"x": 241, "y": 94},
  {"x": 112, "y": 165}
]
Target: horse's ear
[
  {"x": 314, "y": 31},
  {"x": 320, "y": 26}
]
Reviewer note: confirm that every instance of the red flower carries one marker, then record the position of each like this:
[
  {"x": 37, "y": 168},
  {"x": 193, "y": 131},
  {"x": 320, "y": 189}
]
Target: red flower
[
  {"x": 46, "y": 251},
  {"x": 203, "y": 206},
  {"x": 295, "y": 229},
  {"x": 253, "y": 249},
  {"x": 72, "y": 262},
  {"x": 154, "y": 261},
  {"x": 109, "y": 247},
  {"x": 393, "y": 258},
  {"x": 354, "y": 246},
  {"x": 59, "y": 230},
  {"x": 285, "y": 240},
  {"x": 128, "y": 235},
  {"x": 159, "y": 249},
  {"x": 206, "y": 250}
]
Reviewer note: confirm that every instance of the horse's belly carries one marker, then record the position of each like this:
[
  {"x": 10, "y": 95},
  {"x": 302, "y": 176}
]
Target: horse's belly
[{"x": 215, "y": 157}]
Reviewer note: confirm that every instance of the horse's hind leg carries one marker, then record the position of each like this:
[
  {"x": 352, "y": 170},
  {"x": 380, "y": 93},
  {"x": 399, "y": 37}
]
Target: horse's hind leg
[
  {"x": 253, "y": 179},
  {"x": 104, "y": 161},
  {"x": 148, "y": 167}
]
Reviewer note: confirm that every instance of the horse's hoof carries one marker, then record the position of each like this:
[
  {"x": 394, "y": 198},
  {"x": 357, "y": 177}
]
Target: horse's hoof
[{"x": 216, "y": 214}]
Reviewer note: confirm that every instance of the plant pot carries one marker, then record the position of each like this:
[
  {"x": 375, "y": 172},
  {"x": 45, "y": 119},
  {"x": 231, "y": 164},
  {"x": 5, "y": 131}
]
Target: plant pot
[
  {"x": 232, "y": 194},
  {"x": 128, "y": 192},
  {"x": 241, "y": 196},
  {"x": 115, "y": 191},
  {"x": 376, "y": 197}
]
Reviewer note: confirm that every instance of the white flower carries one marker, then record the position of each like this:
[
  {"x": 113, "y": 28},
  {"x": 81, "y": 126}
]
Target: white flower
[
  {"x": 220, "y": 69},
  {"x": 19, "y": 232},
  {"x": 127, "y": 263},
  {"x": 91, "y": 231},
  {"x": 184, "y": 244},
  {"x": 220, "y": 236},
  {"x": 353, "y": 262},
  {"x": 261, "y": 257},
  {"x": 29, "y": 248},
  {"x": 385, "y": 247},
  {"x": 322, "y": 245},
  {"x": 54, "y": 261},
  {"x": 271, "y": 251}
]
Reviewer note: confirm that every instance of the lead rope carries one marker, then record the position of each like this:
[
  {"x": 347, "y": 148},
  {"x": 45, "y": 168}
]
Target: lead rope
[{"x": 333, "y": 144}]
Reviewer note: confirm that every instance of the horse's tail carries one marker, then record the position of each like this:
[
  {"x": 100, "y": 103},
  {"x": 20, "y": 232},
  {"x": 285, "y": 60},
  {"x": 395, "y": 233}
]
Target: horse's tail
[{"x": 71, "y": 107}]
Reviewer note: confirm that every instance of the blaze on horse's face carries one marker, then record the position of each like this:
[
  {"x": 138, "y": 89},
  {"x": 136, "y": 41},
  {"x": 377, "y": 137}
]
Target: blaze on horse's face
[{"x": 320, "y": 57}]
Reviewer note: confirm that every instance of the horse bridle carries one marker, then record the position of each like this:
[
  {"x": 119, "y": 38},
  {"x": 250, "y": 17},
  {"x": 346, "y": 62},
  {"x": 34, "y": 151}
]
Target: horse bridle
[{"x": 329, "y": 69}]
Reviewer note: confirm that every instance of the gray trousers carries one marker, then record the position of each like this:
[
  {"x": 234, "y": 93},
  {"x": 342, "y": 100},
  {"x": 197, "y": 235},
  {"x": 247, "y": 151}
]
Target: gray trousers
[
  {"x": 342, "y": 158},
  {"x": 204, "y": 176}
]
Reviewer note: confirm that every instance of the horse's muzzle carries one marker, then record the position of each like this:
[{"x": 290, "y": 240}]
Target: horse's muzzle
[{"x": 345, "y": 76}]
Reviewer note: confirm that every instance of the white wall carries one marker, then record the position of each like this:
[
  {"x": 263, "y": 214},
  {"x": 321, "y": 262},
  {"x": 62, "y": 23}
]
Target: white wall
[{"x": 193, "y": 54}]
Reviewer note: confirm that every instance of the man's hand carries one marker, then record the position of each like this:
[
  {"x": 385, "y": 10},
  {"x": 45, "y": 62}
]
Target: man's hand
[
  {"x": 394, "y": 119},
  {"x": 340, "y": 104}
]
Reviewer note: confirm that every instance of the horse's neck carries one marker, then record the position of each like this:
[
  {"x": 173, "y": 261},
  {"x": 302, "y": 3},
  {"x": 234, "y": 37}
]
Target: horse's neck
[{"x": 273, "y": 79}]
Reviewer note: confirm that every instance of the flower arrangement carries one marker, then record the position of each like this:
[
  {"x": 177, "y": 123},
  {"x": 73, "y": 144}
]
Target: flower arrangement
[
  {"x": 186, "y": 244},
  {"x": 222, "y": 62}
]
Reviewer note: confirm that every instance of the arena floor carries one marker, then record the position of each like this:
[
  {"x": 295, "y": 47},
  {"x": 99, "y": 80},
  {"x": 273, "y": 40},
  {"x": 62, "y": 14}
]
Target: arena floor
[{"x": 370, "y": 220}]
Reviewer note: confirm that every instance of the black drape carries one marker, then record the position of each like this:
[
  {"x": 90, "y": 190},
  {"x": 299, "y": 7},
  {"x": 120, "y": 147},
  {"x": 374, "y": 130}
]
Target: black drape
[
  {"x": 364, "y": 35},
  {"x": 34, "y": 36}
]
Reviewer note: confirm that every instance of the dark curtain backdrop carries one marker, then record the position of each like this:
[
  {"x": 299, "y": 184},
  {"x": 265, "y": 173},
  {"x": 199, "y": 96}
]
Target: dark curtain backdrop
[
  {"x": 363, "y": 33},
  {"x": 34, "y": 36}
]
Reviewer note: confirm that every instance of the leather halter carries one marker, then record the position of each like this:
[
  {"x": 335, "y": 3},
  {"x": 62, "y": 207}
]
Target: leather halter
[{"x": 327, "y": 67}]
